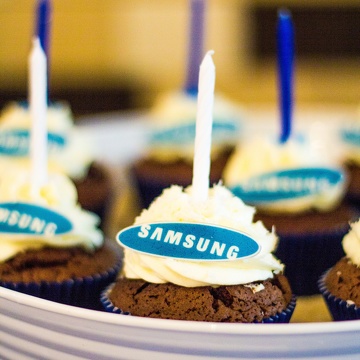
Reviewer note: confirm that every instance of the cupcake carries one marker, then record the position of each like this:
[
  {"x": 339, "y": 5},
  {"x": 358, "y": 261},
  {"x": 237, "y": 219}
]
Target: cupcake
[
  {"x": 203, "y": 261},
  {"x": 69, "y": 152},
  {"x": 49, "y": 246},
  {"x": 299, "y": 190},
  {"x": 340, "y": 284},
  {"x": 168, "y": 158}
]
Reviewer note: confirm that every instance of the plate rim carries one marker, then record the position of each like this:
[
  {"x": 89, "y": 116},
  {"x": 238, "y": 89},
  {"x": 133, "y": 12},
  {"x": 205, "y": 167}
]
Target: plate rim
[{"x": 179, "y": 325}]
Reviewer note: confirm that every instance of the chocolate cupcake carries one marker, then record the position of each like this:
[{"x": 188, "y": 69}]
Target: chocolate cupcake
[
  {"x": 340, "y": 284},
  {"x": 69, "y": 152},
  {"x": 168, "y": 159},
  {"x": 300, "y": 192},
  {"x": 50, "y": 247},
  {"x": 234, "y": 303},
  {"x": 223, "y": 285}
]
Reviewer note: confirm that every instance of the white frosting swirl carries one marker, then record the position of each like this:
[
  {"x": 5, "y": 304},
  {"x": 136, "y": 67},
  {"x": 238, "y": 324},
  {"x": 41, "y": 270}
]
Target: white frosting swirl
[
  {"x": 351, "y": 243},
  {"x": 179, "y": 108},
  {"x": 58, "y": 194},
  {"x": 72, "y": 160},
  {"x": 221, "y": 208},
  {"x": 263, "y": 155}
]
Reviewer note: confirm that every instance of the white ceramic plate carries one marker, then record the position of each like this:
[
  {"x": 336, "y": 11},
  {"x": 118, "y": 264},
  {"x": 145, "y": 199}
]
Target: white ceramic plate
[{"x": 32, "y": 328}]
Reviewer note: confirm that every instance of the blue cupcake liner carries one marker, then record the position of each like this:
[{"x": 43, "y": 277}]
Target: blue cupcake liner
[
  {"x": 107, "y": 304},
  {"x": 340, "y": 309},
  {"x": 81, "y": 292},
  {"x": 283, "y": 317},
  {"x": 305, "y": 257}
]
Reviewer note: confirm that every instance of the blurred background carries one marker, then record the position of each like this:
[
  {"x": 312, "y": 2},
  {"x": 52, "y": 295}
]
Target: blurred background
[{"x": 121, "y": 54}]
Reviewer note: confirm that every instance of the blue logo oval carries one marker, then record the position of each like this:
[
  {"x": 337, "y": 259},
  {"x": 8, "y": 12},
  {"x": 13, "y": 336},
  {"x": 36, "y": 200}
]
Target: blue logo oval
[
  {"x": 351, "y": 136},
  {"x": 288, "y": 184},
  {"x": 16, "y": 142},
  {"x": 188, "y": 241},
  {"x": 185, "y": 133},
  {"x": 29, "y": 219}
]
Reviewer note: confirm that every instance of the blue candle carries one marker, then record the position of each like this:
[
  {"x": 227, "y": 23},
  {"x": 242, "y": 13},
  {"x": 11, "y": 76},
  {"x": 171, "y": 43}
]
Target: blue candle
[
  {"x": 195, "y": 49},
  {"x": 285, "y": 50},
  {"x": 43, "y": 19}
]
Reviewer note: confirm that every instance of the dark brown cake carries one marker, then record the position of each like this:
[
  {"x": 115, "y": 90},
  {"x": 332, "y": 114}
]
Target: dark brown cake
[
  {"x": 236, "y": 303},
  {"x": 94, "y": 190},
  {"x": 59, "y": 264},
  {"x": 152, "y": 176},
  {"x": 343, "y": 281},
  {"x": 69, "y": 276},
  {"x": 310, "y": 222}
]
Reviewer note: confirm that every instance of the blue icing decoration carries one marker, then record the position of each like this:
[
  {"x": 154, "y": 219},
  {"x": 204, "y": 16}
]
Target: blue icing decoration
[
  {"x": 287, "y": 184},
  {"x": 188, "y": 241},
  {"x": 351, "y": 136},
  {"x": 29, "y": 219},
  {"x": 17, "y": 142},
  {"x": 185, "y": 133}
]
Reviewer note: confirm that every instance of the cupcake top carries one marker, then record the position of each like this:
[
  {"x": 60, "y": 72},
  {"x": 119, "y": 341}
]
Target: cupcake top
[
  {"x": 173, "y": 126},
  {"x": 69, "y": 151},
  {"x": 221, "y": 209},
  {"x": 351, "y": 243},
  {"x": 290, "y": 177},
  {"x": 49, "y": 216}
]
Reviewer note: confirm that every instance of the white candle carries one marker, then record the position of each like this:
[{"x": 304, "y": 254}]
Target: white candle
[
  {"x": 205, "y": 104},
  {"x": 38, "y": 109}
]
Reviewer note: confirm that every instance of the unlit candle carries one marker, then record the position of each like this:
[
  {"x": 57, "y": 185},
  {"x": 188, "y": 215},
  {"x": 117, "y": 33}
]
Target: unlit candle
[
  {"x": 38, "y": 109},
  {"x": 202, "y": 152}
]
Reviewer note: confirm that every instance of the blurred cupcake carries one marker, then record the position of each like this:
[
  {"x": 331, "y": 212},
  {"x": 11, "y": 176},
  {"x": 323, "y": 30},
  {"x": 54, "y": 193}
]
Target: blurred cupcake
[
  {"x": 340, "y": 285},
  {"x": 69, "y": 152},
  {"x": 205, "y": 261},
  {"x": 168, "y": 158},
  {"x": 49, "y": 246},
  {"x": 298, "y": 190}
]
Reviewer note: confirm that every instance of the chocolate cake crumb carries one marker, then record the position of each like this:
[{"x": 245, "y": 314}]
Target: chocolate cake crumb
[
  {"x": 235, "y": 303},
  {"x": 343, "y": 281},
  {"x": 59, "y": 264},
  {"x": 311, "y": 222}
]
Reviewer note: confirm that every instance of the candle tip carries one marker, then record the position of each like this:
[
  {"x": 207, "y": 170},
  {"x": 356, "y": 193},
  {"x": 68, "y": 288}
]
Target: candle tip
[{"x": 284, "y": 13}]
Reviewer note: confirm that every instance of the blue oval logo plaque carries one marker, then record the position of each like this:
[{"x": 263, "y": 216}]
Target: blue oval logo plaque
[{"x": 188, "y": 241}]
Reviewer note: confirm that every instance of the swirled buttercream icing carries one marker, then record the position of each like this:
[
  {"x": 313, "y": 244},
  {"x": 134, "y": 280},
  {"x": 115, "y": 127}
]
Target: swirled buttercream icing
[
  {"x": 221, "y": 208},
  {"x": 351, "y": 243},
  {"x": 173, "y": 116},
  {"x": 57, "y": 194},
  {"x": 69, "y": 152},
  {"x": 260, "y": 155}
]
